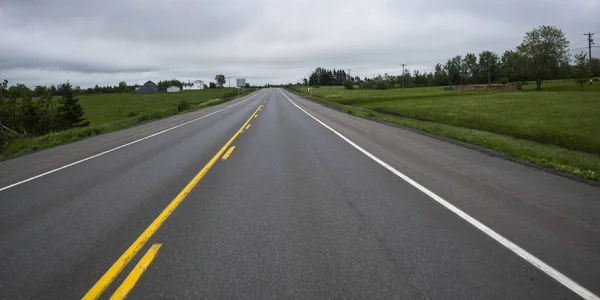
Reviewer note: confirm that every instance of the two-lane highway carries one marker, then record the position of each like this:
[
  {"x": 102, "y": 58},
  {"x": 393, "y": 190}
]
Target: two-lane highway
[{"x": 258, "y": 201}]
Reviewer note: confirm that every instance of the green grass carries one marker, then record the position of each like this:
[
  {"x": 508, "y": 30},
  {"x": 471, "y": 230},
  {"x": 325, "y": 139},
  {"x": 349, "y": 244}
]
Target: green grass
[
  {"x": 110, "y": 112},
  {"x": 557, "y": 128},
  {"x": 107, "y": 108}
]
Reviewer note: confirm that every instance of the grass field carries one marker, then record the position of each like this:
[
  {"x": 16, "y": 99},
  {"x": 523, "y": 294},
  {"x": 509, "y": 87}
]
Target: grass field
[
  {"x": 110, "y": 112},
  {"x": 557, "y": 128}
]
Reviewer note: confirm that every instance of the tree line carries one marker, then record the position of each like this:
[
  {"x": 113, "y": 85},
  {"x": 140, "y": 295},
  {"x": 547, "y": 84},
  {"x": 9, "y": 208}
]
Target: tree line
[
  {"x": 542, "y": 55},
  {"x": 321, "y": 76},
  {"x": 122, "y": 87},
  {"x": 22, "y": 114}
]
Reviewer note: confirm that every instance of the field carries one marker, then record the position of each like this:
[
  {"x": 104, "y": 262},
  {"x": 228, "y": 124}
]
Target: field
[
  {"x": 110, "y": 112},
  {"x": 108, "y": 108},
  {"x": 558, "y": 127}
]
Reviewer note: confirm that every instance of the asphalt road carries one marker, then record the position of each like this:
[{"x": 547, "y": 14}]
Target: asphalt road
[{"x": 294, "y": 211}]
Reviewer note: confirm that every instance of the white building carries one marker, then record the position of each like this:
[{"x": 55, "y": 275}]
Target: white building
[
  {"x": 173, "y": 89},
  {"x": 193, "y": 85}
]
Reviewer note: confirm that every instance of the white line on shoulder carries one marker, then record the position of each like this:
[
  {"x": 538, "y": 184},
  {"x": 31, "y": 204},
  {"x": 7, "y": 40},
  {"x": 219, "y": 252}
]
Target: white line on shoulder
[
  {"x": 122, "y": 146},
  {"x": 555, "y": 274}
]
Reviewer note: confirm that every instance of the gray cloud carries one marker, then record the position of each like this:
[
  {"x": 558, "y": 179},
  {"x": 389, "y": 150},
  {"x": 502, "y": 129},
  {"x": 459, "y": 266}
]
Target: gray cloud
[{"x": 103, "y": 42}]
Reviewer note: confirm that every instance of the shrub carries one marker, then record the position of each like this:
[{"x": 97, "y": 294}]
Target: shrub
[
  {"x": 369, "y": 84},
  {"x": 504, "y": 80},
  {"x": 183, "y": 106},
  {"x": 381, "y": 85},
  {"x": 348, "y": 84}
]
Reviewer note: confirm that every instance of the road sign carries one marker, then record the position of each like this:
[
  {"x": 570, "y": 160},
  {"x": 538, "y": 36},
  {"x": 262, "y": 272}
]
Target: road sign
[{"x": 240, "y": 82}]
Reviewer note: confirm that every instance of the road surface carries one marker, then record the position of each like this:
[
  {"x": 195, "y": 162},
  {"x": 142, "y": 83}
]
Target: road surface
[{"x": 257, "y": 199}]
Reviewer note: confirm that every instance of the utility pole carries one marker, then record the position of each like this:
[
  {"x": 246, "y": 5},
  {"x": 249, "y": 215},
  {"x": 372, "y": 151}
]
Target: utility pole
[
  {"x": 489, "y": 78},
  {"x": 229, "y": 81},
  {"x": 590, "y": 43},
  {"x": 403, "y": 75},
  {"x": 350, "y": 76}
]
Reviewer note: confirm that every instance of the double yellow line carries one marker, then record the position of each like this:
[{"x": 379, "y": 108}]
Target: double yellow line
[{"x": 139, "y": 243}]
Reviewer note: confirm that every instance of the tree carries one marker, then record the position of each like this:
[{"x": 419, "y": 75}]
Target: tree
[
  {"x": 454, "y": 70},
  {"x": 70, "y": 113},
  {"x": 595, "y": 67},
  {"x": 513, "y": 66},
  {"x": 348, "y": 84},
  {"x": 39, "y": 90},
  {"x": 164, "y": 84},
  {"x": 545, "y": 48},
  {"x": 582, "y": 72},
  {"x": 212, "y": 85},
  {"x": 471, "y": 68},
  {"x": 122, "y": 86},
  {"x": 220, "y": 79},
  {"x": 488, "y": 67},
  {"x": 440, "y": 77}
]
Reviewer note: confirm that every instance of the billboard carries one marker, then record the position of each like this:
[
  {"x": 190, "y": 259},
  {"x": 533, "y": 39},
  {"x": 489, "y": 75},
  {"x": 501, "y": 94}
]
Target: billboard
[{"x": 240, "y": 82}]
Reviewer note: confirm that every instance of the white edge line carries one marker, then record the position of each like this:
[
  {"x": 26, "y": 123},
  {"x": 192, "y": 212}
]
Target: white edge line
[
  {"x": 564, "y": 280},
  {"x": 122, "y": 146}
]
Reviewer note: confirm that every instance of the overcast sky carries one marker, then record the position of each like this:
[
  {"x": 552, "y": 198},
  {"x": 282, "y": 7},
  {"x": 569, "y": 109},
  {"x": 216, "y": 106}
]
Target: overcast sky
[{"x": 105, "y": 41}]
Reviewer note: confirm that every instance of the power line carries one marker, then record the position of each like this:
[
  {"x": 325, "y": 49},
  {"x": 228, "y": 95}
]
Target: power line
[
  {"x": 583, "y": 48},
  {"x": 579, "y": 42}
]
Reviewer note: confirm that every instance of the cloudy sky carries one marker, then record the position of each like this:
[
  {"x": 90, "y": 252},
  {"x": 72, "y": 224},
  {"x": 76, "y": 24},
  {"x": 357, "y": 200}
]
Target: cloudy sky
[{"x": 105, "y": 41}]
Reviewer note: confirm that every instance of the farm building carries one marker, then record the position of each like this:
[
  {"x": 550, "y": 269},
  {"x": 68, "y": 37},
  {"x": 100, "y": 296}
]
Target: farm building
[
  {"x": 148, "y": 88},
  {"x": 193, "y": 85},
  {"x": 173, "y": 89}
]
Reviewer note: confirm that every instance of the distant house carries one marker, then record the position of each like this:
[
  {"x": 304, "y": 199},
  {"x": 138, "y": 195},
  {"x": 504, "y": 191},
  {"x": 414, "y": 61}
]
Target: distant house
[
  {"x": 148, "y": 88},
  {"x": 193, "y": 85},
  {"x": 173, "y": 89}
]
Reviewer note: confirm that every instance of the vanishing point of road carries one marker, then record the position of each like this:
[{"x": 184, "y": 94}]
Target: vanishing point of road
[{"x": 272, "y": 196}]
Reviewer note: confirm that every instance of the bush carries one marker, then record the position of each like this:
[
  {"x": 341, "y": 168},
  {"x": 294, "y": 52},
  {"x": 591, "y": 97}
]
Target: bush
[
  {"x": 504, "y": 80},
  {"x": 183, "y": 106},
  {"x": 382, "y": 85},
  {"x": 369, "y": 84},
  {"x": 348, "y": 84}
]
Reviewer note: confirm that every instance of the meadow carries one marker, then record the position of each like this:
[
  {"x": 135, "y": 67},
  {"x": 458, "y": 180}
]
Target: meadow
[
  {"x": 110, "y": 112},
  {"x": 558, "y": 127}
]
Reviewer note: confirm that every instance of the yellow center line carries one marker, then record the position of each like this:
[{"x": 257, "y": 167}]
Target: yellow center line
[
  {"x": 226, "y": 155},
  {"x": 136, "y": 273},
  {"x": 248, "y": 127},
  {"x": 137, "y": 245}
]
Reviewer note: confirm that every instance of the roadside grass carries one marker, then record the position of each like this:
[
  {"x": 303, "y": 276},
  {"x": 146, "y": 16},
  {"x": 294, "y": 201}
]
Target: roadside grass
[
  {"x": 557, "y": 130},
  {"x": 111, "y": 112}
]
